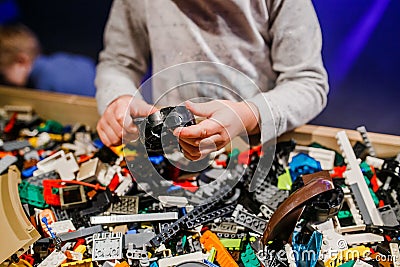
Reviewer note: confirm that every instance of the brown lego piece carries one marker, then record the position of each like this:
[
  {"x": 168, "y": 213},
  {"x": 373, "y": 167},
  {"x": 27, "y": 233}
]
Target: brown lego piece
[{"x": 283, "y": 221}]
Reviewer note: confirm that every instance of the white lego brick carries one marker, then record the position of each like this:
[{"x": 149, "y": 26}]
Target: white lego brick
[
  {"x": 48, "y": 163},
  {"x": 331, "y": 240},
  {"x": 29, "y": 133},
  {"x": 172, "y": 201},
  {"x": 107, "y": 177},
  {"x": 290, "y": 255},
  {"x": 354, "y": 176},
  {"x": 73, "y": 255},
  {"x": 88, "y": 170},
  {"x": 18, "y": 108},
  {"x": 69, "y": 146},
  {"x": 24, "y": 113},
  {"x": 38, "y": 172},
  {"x": 266, "y": 211},
  {"x": 375, "y": 162},
  {"x": 364, "y": 238},
  {"x": 83, "y": 142},
  {"x": 102, "y": 172},
  {"x": 109, "y": 264},
  {"x": 148, "y": 217},
  {"x": 124, "y": 187},
  {"x": 173, "y": 261},
  {"x": 120, "y": 176},
  {"x": 360, "y": 263},
  {"x": 359, "y": 223},
  {"x": 395, "y": 252},
  {"x": 55, "y": 259},
  {"x": 67, "y": 246},
  {"x": 61, "y": 227},
  {"x": 65, "y": 165},
  {"x": 33, "y": 154},
  {"x": 107, "y": 246},
  {"x": 136, "y": 254},
  {"x": 68, "y": 168},
  {"x": 119, "y": 160},
  {"x": 43, "y": 139},
  {"x": 348, "y": 229}
]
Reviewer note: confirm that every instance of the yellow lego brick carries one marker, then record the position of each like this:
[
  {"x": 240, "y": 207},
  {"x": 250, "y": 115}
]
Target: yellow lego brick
[
  {"x": 81, "y": 249},
  {"x": 347, "y": 255},
  {"x": 82, "y": 263}
]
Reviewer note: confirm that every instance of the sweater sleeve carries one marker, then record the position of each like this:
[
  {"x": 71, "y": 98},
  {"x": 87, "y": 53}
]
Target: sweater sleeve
[
  {"x": 124, "y": 60},
  {"x": 301, "y": 88}
]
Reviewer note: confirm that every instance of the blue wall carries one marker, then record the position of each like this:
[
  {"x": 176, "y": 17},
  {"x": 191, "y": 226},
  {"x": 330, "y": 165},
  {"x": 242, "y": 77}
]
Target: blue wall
[
  {"x": 369, "y": 91},
  {"x": 361, "y": 52}
]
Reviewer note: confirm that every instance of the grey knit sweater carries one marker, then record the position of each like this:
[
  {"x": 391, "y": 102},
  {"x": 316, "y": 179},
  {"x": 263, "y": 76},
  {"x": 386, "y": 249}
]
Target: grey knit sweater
[{"x": 275, "y": 43}]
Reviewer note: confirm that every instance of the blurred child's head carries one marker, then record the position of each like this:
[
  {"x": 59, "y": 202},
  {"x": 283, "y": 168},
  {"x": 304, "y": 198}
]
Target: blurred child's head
[{"x": 19, "y": 47}]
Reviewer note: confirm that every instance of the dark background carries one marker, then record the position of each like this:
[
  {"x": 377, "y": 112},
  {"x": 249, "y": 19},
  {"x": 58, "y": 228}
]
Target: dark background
[{"x": 361, "y": 51}]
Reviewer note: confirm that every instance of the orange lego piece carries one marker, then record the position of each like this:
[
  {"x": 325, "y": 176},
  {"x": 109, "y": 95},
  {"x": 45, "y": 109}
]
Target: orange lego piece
[
  {"x": 209, "y": 240},
  {"x": 122, "y": 264}
]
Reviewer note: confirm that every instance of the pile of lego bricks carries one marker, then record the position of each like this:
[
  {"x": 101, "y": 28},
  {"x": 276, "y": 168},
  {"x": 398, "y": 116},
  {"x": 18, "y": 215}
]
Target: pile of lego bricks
[{"x": 311, "y": 206}]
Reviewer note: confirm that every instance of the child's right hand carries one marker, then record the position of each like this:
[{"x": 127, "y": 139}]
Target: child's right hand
[{"x": 117, "y": 122}]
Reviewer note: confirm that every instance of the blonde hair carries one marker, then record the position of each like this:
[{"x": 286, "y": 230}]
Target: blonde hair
[{"x": 16, "y": 39}]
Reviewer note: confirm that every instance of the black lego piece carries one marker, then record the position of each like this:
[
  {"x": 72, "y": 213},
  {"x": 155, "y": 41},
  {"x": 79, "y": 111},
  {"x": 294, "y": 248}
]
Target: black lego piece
[
  {"x": 102, "y": 202},
  {"x": 158, "y": 127},
  {"x": 170, "y": 231},
  {"x": 106, "y": 155},
  {"x": 208, "y": 217},
  {"x": 325, "y": 205},
  {"x": 360, "y": 150},
  {"x": 390, "y": 170}
]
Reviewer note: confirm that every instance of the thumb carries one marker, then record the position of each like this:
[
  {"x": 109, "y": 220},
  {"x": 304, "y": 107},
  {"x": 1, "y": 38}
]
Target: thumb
[
  {"x": 142, "y": 109},
  {"x": 201, "y": 109}
]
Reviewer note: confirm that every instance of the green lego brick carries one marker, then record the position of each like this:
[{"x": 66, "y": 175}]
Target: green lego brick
[
  {"x": 232, "y": 244},
  {"x": 235, "y": 152},
  {"x": 211, "y": 256},
  {"x": 51, "y": 126},
  {"x": 367, "y": 181},
  {"x": 249, "y": 258},
  {"x": 285, "y": 180},
  {"x": 184, "y": 239},
  {"x": 366, "y": 170},
  {"x": 339, "y": 160},
  {"x": 32, "y": 194},
  {"x": 348, "y": 264},
  {"x": 344, "y": 214}
]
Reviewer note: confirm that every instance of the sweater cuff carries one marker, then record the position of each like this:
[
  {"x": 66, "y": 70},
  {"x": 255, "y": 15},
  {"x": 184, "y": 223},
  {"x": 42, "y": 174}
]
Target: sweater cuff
[
  {"x": 271, "y": 119},
  {"x": 111, "y": 86}
]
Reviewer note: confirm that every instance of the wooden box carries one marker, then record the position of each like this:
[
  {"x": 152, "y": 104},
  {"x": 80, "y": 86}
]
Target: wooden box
[{"x": 69, "y": 109}]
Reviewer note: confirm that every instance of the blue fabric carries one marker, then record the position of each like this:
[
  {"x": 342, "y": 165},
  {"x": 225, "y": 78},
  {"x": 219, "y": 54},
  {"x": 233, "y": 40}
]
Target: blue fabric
[
  {"x": 64, "y": 73},
  {"x": 8, "y": 11}
]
